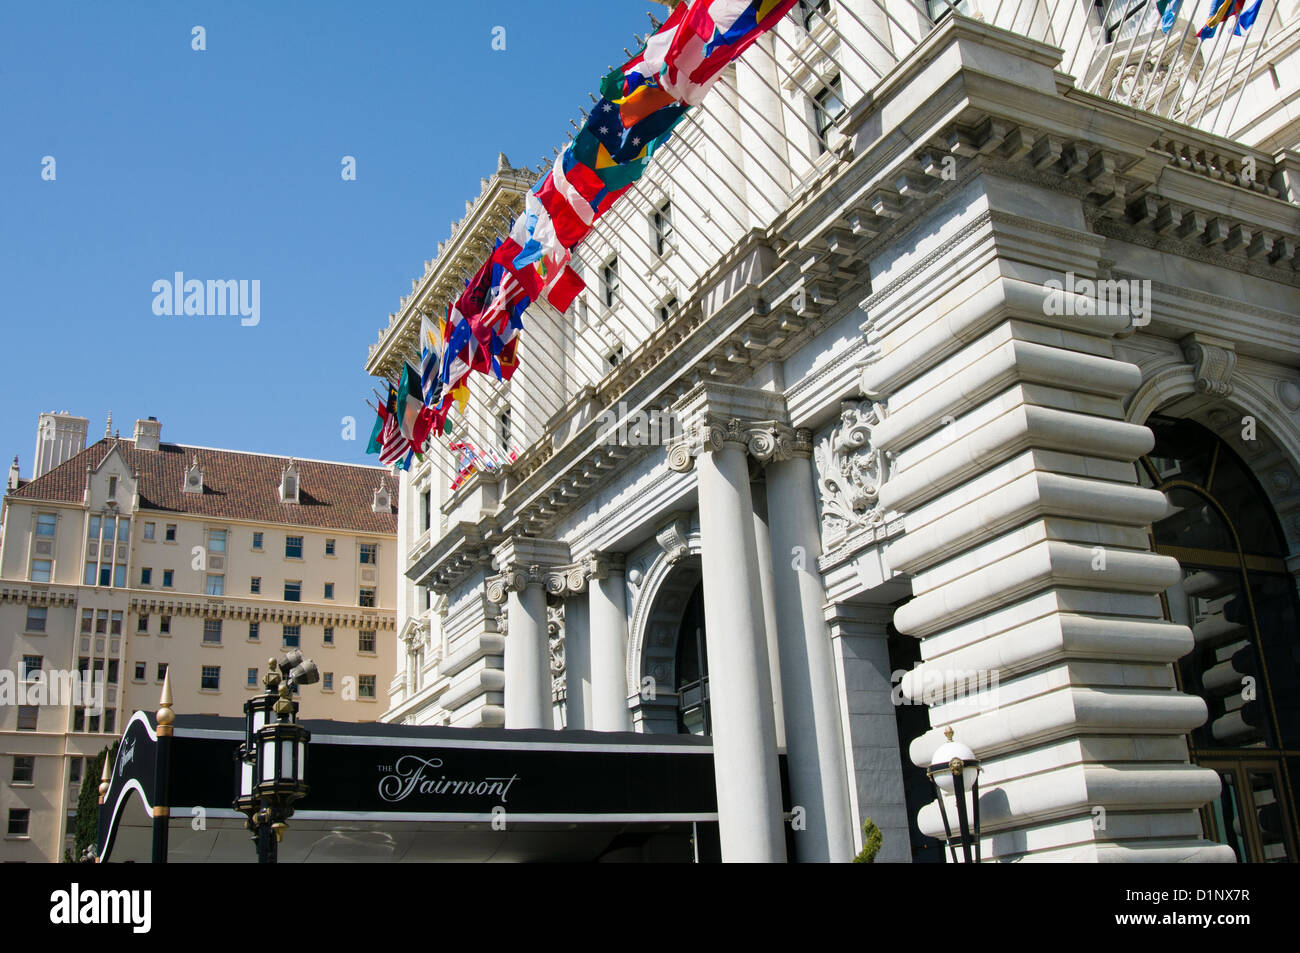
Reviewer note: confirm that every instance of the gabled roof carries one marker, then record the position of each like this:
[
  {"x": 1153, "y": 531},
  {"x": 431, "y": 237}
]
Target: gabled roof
[{"x": 235, "y": 486}]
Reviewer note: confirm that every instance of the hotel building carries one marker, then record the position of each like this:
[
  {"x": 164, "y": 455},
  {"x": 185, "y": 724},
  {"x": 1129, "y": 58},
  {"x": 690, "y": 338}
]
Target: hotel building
[
  {"x": 976, "y": 334},
  {"x": 126, "y": 560}
]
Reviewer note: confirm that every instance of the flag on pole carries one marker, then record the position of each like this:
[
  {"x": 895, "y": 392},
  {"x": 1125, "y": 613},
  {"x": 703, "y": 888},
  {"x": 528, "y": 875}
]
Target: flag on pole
[
  {"x": 1222, "y": 10},
  {"x": 393, "y": 446},
  {"x": 1168, "y": 13}
]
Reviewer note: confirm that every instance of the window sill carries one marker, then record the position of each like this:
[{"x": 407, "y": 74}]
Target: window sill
[
  {"x": 210, "y": 645},
  {"x": 18, "y": 837},
  {"x": 209, "y": 691},
  {"x": 31, "y": 632},
  {"x": 22, "y": 784},
  {"x": 364, "y": 654}
]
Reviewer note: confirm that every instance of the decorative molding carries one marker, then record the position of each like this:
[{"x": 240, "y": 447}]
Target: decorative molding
[
  {"x": 674, "y": 538},
  {"x": 1213, "y": 361},
  {"x": 850, "y": 472}
]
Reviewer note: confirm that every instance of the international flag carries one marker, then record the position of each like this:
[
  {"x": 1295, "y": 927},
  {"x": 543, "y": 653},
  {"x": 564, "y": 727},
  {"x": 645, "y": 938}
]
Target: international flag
[
  {"x": 412, "y": 422},
  {"x": 393, "y": 446},
  {"x": 1222, "y": 10},
  {"x": 709, "y": 36},
  {"x": 430, "y": 360},
  {"x": 1168, "y": 13},
  {"x": 458, "y": 338}
]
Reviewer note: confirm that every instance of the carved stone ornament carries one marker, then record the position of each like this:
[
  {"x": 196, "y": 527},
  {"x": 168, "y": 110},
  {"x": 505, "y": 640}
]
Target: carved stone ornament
[
  {"x": 850, "y": 472},
  {"x": 555, "y": 639},
  {"x": 673, "y": 539},
  {"x": 764, "y": 440},
  {"x": 1213, "y": 362},
  {"x": 512, "y": 579}
]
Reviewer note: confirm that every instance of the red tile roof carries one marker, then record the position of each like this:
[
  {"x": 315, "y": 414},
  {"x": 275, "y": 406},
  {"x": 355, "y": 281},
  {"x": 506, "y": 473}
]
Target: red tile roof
[{"x": 235, "y": 486}]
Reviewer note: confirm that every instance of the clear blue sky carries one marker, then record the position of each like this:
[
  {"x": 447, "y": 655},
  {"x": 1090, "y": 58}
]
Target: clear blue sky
[{"x": 226, "y": 164}]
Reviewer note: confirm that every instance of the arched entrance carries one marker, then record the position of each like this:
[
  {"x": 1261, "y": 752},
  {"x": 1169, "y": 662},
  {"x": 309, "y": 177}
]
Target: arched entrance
[
  {"x": 692, "y": 669},
  {"x": 1240, "y": 602}
]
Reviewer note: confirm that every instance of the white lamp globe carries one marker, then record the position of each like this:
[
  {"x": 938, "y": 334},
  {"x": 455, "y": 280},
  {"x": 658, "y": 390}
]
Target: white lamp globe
[{"x": 941, "y": 765}]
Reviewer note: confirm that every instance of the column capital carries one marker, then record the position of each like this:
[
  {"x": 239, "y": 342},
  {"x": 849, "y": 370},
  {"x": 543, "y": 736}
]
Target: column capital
[
  {"x": 714, "y": 415},
  {"x": 514, "y": 577},
  {"x": 602, "y": 565}
]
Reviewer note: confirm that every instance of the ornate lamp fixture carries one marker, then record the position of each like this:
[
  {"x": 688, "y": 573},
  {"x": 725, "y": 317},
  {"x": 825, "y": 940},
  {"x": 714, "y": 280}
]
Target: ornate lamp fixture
[{"x": 954, "y": 771}]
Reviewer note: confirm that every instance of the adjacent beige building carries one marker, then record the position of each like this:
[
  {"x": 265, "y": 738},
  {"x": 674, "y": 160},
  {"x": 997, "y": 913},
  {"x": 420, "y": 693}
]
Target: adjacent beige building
[{"x": 129, "y": 558}]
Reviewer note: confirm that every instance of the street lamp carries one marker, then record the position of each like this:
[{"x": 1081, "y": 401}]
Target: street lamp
[
  {"x": 272, "y": 761},
  {"x": 954, "y": 770}
]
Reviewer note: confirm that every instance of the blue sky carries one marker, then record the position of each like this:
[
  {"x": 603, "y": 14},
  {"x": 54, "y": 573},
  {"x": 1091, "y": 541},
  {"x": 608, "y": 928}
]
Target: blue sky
[{"x": 225, "y": 164}]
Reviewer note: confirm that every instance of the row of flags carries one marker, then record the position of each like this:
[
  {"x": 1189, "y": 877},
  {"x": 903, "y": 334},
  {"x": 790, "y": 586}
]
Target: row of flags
[
  {"x": 1245, "y": 11},
  {"x": 640, "y": 104}
]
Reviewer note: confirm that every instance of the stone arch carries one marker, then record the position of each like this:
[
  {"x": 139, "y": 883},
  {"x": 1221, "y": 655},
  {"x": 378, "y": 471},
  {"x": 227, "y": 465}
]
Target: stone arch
[
  {"x": 1273, "y": 456},
  {"x": 652, "y": 637}
]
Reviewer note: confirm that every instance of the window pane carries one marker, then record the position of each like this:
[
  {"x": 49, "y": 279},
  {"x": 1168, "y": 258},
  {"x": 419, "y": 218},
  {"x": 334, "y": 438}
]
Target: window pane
[
  {"x": 41, "y": 570},
  {"x": 216, "y": 585},
  {"x": 119, "y": 575},
  {"x": 216, "y": 540},
  {"x": 45, "y": 524},
  {"x": 293, "y": 592},
  {"x": 36, "y": 617}
]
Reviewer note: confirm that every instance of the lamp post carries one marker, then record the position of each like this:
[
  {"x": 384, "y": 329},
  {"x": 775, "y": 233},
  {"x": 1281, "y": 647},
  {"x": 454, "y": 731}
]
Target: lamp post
[
  {"x": 954, "y": 770},
  {"x": 272, "y": 761}
]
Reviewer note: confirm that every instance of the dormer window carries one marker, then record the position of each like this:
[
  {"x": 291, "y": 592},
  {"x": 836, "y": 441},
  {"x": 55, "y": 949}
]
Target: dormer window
[
  {"x": 194, "y": 477},
  {"x": 383, "y": 502},
  {"x": 289, "y": 483}
]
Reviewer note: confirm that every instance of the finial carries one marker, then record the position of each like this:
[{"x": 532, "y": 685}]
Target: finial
[
  {"x": 503, "y": 164},
  {"x": 165, "y": 715},
  {"x": 108, "y": 426},
  {"x": 104, "y": 775},
  {"x": 947, "y": 732}
]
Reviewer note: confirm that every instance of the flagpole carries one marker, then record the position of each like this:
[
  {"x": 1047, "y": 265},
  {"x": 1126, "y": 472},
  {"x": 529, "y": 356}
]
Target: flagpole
[
  {"x": 1210, "y": 92},
  {"x": 1219, "y": 43},
  {"x": 1169, "y": 114},
  {"x": 1110, "y": 4},
  {"x": 1119, "y": 73},
  {"x": 1250, "y": 69},
  {"x": 1137, "y": 78}
]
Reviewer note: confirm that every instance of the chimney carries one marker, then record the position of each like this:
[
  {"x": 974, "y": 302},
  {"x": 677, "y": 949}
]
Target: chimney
[
  {"x": 59, "y": 438},
  {"x": 13, "y": 474},
  {"x": 147, "y": 433}
]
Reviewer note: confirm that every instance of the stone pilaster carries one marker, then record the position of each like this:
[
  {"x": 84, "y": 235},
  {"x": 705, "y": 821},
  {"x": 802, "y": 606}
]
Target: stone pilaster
[{"x": 521, "y": 586}]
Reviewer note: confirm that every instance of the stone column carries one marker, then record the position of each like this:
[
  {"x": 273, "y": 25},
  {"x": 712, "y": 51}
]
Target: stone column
[
  {"x": 608, "y": 613},
  {"x": 763, "y": 144},
  {"x": 521, "y": 586},
  {"x": 527, "y": 652},
  {"x": 814, "y": 736},
  {"x": 577, "y": 661},
  {"x": 744, "y": 727},
  {"x": 763, "y": 544}
]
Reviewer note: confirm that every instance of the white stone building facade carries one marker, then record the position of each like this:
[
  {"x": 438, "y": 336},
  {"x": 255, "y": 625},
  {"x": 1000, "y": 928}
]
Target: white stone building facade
[{"x": 920, "y": 349}]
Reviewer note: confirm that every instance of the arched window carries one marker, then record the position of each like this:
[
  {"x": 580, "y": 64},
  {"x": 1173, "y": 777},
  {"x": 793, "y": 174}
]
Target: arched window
[
  {"x": 693, "y": 716},
  {"x": 1240, "y": 602}
]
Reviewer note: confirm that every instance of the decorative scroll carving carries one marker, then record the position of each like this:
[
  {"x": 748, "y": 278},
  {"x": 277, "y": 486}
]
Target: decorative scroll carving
[
  {"x": 1213, "y": 362},
  {"x": 555, "y": 640},
  {"x": 673, "y": 539},
  {"x": 763, "y": 440},
  {"x": 850, "y": 472},
  {"x": 512, "y": 579}
]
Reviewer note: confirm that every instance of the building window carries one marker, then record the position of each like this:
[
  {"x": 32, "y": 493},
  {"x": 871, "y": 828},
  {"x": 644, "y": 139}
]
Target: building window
[
  {"x": 110, "y": 720},
  {"x": 45, "y": 524},
  {"x": 142, "y": 624},
  {"x": 212, "y": 631},
  {"x": 161, "y": 671},
  {"x": 365, "y": 686},
  {"x": 165, "y": 625},
  {"x": 366, "y": 640},
  {"x": 369, "y": 553},
  {"x": 101, "y": 622},
  {"x": 93, "y": 723},
  {"x": 293, "y": 592},
  {"x": 329, "y": 547},
  {"x": 292, "y": 636},
  {"x": 19, "y": 818},
  {"x": 119, "y": 576},
  {"x": 74, "y": 770},
  {"x": 327, "y": 681},
  {"x": 667, "y": 310},
  {"x": 87, "y": 617},
  {"x": 828, "y": 105},
  {"x": 426, "y": 510},
  {"x": 140, "y": 671},
  {"x": 254, "y": 631},
  {"x": 168, "y": 576},
  {"x": 662, "y": 222},
  {"x": 79, "y": 720},
  {"x": 115, "y": 624},
  {"x": 112, "y": 671},
  {"x": 149, "y": 530},
  {"x": 31, "y": 666},
  {"x": 210, "y": 678},
  {"x": 169, "y": 534},
  {"x": 28, "y": 715},
  {"x": 503, "y": 430},
  {"x": 329, "y": 590},
  {"x": 329, "y": 635},
  {"x": 216, "y": 542},
  {"x": 41, "y": 570},
  {"x": 146, "y": 576},
  {"x": 24, "y": 771},
  {"x": 609, "y": 282},
  {"x": 255, "y": 584},
  {"x": 615, "y": 357},
  {"x": 215, "y": 585},
  {"x": 367, "y": 597},
  {"x": 252, "y": 678},
  {"x": 812, "y": 11},
  {"x": 257, "y": 541},
  {"x": 37, "y": 617},
  {"x": 293, "y": 547}
]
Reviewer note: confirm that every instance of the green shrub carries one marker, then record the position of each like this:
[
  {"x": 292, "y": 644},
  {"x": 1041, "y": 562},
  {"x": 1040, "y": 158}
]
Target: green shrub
[{"x": 871, "y": 841}]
